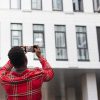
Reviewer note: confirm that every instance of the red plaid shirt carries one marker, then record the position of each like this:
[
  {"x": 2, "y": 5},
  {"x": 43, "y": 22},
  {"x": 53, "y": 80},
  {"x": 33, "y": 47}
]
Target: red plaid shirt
[{"x": 25, "y": 85}]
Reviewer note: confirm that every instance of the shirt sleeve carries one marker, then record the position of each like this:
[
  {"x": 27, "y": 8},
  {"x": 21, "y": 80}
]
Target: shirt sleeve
[
  {"x": 6, "y": 69},
  {"x": 47, "y": 70}
]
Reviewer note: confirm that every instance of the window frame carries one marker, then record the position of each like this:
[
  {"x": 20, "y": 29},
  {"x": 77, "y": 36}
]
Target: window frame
[
  {"x": 95, "y": 11},
  {"x": 16, "y": 30},
  {"x": 82, "y": 47},
  {"x": 36, "y": 8},
  {"x": 42, "y": 32},
  {"x": 57, "y": 9},
  {"x": 98, "y": 41},
  {"x": 78, "y": 7},
  {"x": 65, "y": 42}
]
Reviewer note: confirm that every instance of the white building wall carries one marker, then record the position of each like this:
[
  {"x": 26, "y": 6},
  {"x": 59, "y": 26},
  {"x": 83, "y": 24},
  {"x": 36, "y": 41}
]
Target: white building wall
[
  {"x": 4, "y": 4},
  {"x": 49, "y": 18},
  {"x": 47, "y": 5}
]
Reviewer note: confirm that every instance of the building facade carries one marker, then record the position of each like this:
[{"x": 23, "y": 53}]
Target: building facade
[{"x": 68, "y": 33}]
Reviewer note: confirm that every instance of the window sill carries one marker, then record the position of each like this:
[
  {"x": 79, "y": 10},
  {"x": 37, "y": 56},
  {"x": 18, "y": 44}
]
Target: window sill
[
  {"x": 61, "y": 59},
  {"x": 58, "y": 10},
  {"x": 78, "y": 11},
  {"x": 37, "y": 9},
  {"x": 83, "y": 60}
]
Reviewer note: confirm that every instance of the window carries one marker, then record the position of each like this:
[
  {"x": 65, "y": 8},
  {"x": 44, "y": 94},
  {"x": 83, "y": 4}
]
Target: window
[
  {"x": 15, "y": 4},
  {"x": 57, "y": 5},
  {"x": 60, "y": 41},
  {"x": 82, "y": 47},
  {"x": 98, "y": 39},
  {"x": 38, "y": 37},
  {"x": 37, "y": 4},
  {"x": 96, "y": 5},
  {"x": 16, "y": 34},
  {"x": 78, "y": 5}
]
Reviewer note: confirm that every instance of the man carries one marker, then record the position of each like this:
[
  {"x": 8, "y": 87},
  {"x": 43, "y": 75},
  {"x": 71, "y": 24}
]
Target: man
[{"x": 23, "y": 83}]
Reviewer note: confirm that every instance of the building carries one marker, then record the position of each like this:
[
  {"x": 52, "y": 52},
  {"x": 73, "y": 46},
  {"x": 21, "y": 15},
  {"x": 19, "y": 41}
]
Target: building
[{"x": 68, "y": 32}]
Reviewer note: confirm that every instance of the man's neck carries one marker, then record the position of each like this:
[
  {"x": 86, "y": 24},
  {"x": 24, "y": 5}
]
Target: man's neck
[{"x": 20, "y": 70}]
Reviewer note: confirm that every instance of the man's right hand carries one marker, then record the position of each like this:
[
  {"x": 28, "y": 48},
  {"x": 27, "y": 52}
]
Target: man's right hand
[{"x": 37, "y": 51}]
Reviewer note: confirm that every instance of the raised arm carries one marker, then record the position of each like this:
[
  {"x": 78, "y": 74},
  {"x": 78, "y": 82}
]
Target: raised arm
[
  {"x": 47, "y": 70},
  {"x": 6, "y": 69}
]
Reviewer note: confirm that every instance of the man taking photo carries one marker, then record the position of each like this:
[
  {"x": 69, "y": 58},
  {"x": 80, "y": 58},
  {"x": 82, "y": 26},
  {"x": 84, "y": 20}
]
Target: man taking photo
[{"x": 24, "y": 83}]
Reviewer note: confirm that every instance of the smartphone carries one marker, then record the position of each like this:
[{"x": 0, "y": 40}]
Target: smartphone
[
  {"x": 24, "y": 48},
  {"x": 31, "y": 48},
  {"x": 35, "y": 46}
]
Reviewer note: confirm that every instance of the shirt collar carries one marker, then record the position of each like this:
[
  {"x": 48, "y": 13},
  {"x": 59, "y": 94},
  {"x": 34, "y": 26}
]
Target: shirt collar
[{"x": 20, "y": 74}]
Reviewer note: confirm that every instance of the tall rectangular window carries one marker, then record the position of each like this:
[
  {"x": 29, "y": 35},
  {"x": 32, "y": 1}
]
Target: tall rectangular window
[
  {"x": 78, "y": 5},
  {"x": 82, "y": 47},
  {"x": 57, "y": 5},
  {"x": 37, "y": 4},
  {"x": 15, "y": 4},
  {"x": 16, "y": 34},
  {"x": 38, "y": 37},
  {"x": 60, "y": 41},
  {"x": 96, "y": 5},
  {"x": 98, "y": 39}
]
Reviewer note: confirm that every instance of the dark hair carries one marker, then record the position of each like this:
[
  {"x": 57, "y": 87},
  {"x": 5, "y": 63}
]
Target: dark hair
[{"x": 17, "y": 56}]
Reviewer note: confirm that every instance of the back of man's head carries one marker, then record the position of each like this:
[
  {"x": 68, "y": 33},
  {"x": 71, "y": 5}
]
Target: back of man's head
[{"x": 17, "y": 56}]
